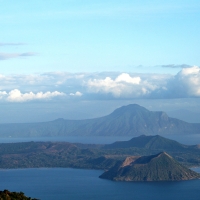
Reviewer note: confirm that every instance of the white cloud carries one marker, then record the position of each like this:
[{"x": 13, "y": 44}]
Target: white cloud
[
  {"x": 190, "y": 71},
  {"x": 16, "y": 95},
  {"x": 78, "y": 94},
  {"x": 122, "y": 86},
  {"x": 124, "y": 77},
  {"x": 183, "y": 85},
  {"x": 188, "y": 80}
]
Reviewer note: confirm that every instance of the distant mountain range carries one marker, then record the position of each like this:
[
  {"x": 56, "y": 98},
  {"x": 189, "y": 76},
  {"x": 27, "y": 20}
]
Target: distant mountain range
[
  {"x": 159, "y": 167},
  {"x": 131, "y": 120}
]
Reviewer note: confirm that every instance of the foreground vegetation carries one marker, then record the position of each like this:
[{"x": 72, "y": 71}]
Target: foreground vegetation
[{"x": 7, "y": 195}]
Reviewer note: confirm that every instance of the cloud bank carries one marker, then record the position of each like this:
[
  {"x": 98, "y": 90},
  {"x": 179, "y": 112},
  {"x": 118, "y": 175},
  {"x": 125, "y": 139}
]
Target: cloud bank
[
  {"x": 187, "y": 82},
  {"x": 87, "y": 86},
  {"x": 16, "y": 95},
  {"x": 122, "y": 85}
]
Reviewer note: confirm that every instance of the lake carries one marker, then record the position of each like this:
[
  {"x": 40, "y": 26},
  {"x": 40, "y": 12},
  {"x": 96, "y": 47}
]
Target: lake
[
  {"x": 184, "y": 139},
  {"x": 61, "y": 183}
]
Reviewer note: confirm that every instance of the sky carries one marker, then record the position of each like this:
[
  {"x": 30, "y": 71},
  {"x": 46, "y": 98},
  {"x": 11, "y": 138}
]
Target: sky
[{"x": 83, "y": 59}]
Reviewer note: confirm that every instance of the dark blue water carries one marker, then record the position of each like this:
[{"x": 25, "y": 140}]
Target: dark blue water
[{"x": 61, "y": 184}]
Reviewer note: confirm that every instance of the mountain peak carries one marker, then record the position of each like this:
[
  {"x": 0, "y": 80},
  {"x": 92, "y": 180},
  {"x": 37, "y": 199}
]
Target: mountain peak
[
  {"x": 131, "y": 108},
  {"x": 164, "y": 154}
]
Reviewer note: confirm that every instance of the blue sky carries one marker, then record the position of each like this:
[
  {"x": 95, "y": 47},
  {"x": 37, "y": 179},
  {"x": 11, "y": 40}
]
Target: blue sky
[
  {"x": 57, "y": 53},
  {"x": 90, "y": 36}
]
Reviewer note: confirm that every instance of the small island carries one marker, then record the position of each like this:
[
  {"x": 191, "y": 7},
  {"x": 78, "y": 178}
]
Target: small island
[{"x": 159, "y": 167}]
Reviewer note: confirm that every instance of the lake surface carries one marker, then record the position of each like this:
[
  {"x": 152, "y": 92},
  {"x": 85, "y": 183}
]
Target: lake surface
[
  {"x": 60, "y": 183},
  {"x": 72, "y": 139},
  {"x": 184, "y": 139}
]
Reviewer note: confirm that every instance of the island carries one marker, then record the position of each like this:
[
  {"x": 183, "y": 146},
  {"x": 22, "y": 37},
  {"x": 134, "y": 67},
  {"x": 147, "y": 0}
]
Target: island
[{"x": 159, "y": 167}]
